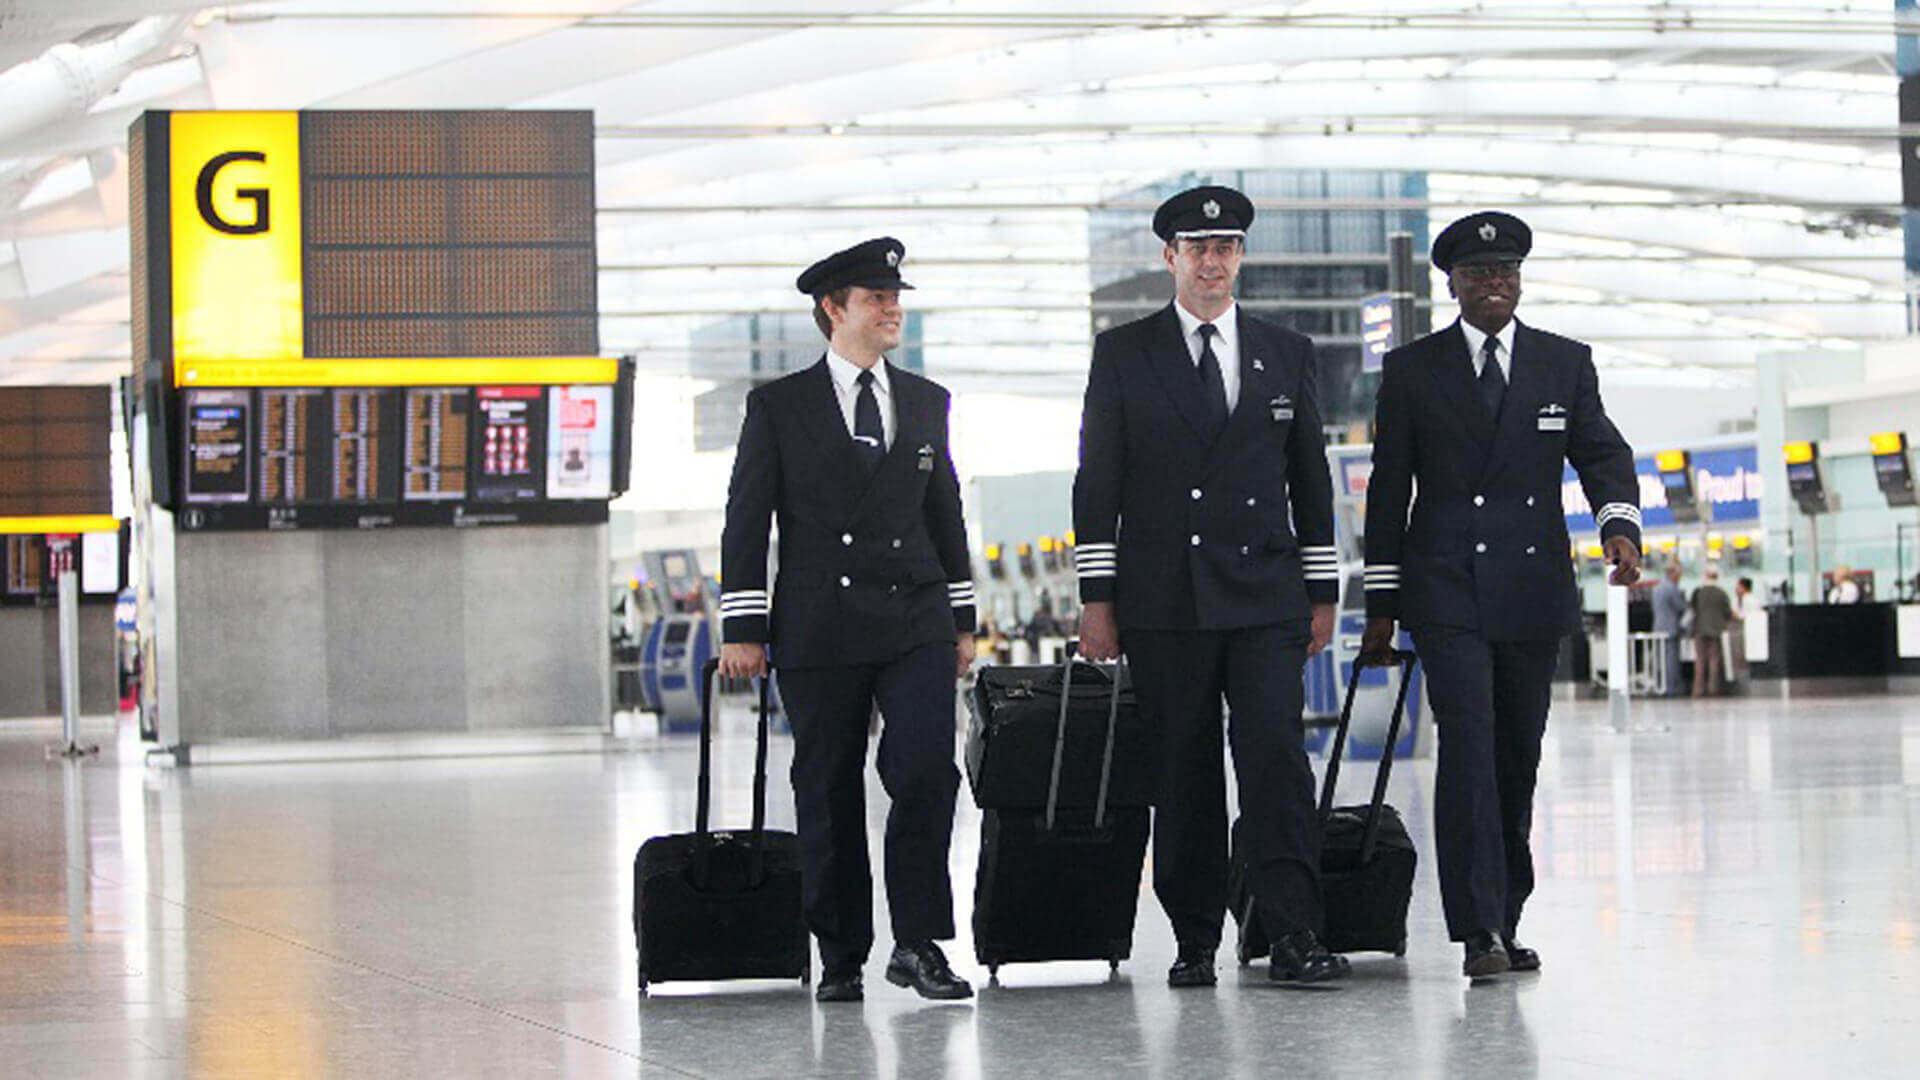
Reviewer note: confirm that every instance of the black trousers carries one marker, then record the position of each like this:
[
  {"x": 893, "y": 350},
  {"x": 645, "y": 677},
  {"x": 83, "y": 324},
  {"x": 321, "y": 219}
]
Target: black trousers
[
  {"x": 1179, "y": 679},
  {"x": 830, "y": 708},
  {"x": 1490, "y": 700}
]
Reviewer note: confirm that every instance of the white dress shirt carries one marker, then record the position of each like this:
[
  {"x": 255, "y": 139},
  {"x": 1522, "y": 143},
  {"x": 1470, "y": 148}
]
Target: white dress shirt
[
  {"x": 1226, "y": 346},
  {"x": 846, "y": 387},
  {"x": 1503, "y": 353}
]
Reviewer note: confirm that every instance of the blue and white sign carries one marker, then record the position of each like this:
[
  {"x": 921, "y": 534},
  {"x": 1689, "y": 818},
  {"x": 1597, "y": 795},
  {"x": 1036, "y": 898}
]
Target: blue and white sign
[
  {"x": 1728, "y": 478},
  {"x": 1376, "y": 330}
]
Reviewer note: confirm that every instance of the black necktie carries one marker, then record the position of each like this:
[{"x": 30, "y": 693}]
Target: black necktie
[
  {"x": 1211, "y": 382},
  {"x": 869, "y": 438},
  {"x": 1493, "y": 382}
]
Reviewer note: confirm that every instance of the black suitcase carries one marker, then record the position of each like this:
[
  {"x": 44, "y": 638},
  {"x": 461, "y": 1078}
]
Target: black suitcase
[
  {"x": 723, "y": 904},
  {"x": 1366, "y": 857},
  {"x": 1014, "y": 722},
  {"x": 1063, "y": 882}
]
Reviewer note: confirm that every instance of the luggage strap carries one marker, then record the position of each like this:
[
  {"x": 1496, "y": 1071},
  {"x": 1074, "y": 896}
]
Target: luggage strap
[
  {"x": 1371, "y": 834},
  {"x": 1060, "y": 739},
  {"x": 703, "y": 835}
]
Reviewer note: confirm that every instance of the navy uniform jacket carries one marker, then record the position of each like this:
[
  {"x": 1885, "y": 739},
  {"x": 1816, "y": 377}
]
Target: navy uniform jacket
[
  {"x": 1183, "y": 534},
  {"x": 869, "y": 568},
  {"x": 1487, "y": 547}
]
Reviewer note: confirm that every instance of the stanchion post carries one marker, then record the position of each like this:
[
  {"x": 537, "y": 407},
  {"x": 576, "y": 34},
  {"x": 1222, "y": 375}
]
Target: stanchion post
[
  {"x": 1619, "y": 666},
  {"x": 66, "y": 575}
]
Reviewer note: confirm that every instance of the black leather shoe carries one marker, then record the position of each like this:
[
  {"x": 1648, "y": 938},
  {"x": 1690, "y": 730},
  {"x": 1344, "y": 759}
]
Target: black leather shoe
[
  {"x": 841, "y": 984},
  {"x": 1299, "y": 957},
  {"x": 924, "y": 967},
  {"x": 1193, "y": 966},
  {"x": 1485, "y": 956},
  {"x": 1519, "y": 957}
]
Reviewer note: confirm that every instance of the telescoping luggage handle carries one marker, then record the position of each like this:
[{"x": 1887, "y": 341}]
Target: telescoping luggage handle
[
  {"x": 1060, "y": 738},
  {"x": 1370, "y": 834},
  {"x": 703, "y": 835}
]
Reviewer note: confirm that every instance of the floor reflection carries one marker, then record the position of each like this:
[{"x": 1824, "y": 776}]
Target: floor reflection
[{"x": 1735, "y": 895}]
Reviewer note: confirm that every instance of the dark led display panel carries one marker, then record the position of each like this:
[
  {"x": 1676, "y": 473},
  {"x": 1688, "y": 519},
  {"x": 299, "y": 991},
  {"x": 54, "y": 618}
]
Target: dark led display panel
[
  {"x": 434, "y": 461},
  {"x": 55, "y": 450},
  {"x": 216, "y": 452},
  {"x": 455, "y": 233}
]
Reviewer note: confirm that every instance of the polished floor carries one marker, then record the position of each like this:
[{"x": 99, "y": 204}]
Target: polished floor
[{"x": 1735, "y": 895}]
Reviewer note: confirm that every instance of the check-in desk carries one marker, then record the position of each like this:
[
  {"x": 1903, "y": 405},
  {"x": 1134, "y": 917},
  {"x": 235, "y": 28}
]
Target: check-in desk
[{"x": 1831, "y": 648}]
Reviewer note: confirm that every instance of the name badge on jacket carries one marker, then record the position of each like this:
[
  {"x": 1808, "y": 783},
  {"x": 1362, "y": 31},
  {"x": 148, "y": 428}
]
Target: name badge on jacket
[
  {"x": 1282, "y": 408},
  {"x": 1553, "y": 417},
  {"x": 926, "y": 458}
]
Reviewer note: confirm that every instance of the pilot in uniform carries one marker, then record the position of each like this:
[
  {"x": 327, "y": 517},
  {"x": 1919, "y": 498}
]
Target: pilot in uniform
[
  {"x": 1203, "y": 511},
  {"x": 1480, "y": 417},
  {"x": 874, "y": 605}
]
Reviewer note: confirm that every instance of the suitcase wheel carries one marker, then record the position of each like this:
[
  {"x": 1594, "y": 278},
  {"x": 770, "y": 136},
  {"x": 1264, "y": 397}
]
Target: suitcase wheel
[
  {"x": 643, "y": 987},
  {"x": 1113, "y": 966},
  {"x": 1400, "y": 949},
  {"x": 993, "y": 972}
]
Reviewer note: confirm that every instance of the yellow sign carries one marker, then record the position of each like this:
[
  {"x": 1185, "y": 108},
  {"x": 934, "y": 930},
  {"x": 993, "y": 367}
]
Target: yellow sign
[
  {"x": 993, "y": 552},
  {"x": 234, "y": 198},
  {"x": 1798, "y": 453},
  {"x": 58, "y": 524},
  {"x": 430, "y": 371},
  {"x": 1046, "y": 544},
  {"x": 1888, "y": 442},
  {"x": 1671, "y": 460}
]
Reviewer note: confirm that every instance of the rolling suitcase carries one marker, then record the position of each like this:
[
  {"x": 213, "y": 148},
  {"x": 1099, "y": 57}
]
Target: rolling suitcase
[
  {"x": 1063, "y": 882},
  {"x": 1366, "y": 857},
  {"x": 725, "y": 904},
  {"x": 1014, "y": 714}
]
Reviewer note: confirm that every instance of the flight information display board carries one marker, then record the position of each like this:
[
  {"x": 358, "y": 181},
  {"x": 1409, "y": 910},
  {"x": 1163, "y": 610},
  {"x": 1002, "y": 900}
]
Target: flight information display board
[
  {"x": 217, "y": 426},
  {"x": 368, "y": 457},
  {"x": 363, "y": 421},
  {"x": 436, "y": 442},
  {"x": 55, "y": 451},
  {"x": 361, "y": 318},
  {"x": 26, "y": 574},
  {"x": 294, "y": 433}
]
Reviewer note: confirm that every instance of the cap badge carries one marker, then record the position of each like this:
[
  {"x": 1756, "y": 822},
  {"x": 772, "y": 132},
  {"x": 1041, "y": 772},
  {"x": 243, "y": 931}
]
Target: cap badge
[
  {"x": 1488, "y": 232},
  {"x": 893, "y": 257},
  {"x": 1211, "y": 209}
]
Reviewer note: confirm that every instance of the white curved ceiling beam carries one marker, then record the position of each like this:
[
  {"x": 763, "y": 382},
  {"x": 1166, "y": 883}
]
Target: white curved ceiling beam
[{"x": 799, "y": 171}]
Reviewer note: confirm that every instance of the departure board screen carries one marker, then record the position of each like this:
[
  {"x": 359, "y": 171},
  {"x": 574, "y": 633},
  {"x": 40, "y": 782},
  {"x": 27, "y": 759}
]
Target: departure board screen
[
  {"x": 435, "y": 459},
  {"x": 26, "y": 566},
  {"x": 216, "y": 452},
  {"x": 55, "y": 450},
  {"x": 373, "y": 457},
  {"x": 294, "y": 428},
  {"x": 509, "y": 447},
  {"x": 362, "y": 426}
]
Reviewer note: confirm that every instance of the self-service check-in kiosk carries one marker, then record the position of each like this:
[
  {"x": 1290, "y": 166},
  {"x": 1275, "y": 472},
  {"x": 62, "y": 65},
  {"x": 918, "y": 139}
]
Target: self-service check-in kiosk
[
  {"x": 1893, "y": 471},
  {"x": 678, "y": 643},
  {"x": 1807, "y": 482}
]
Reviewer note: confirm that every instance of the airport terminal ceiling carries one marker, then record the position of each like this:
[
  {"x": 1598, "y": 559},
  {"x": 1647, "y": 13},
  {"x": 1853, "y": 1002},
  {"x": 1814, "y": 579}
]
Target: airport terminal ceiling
[{"x": 1707, "y": 181}]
